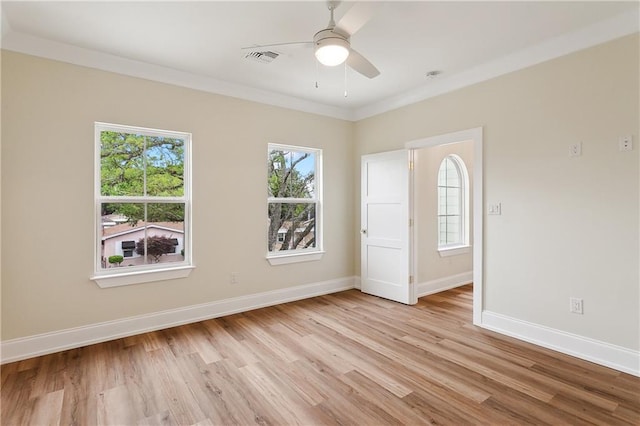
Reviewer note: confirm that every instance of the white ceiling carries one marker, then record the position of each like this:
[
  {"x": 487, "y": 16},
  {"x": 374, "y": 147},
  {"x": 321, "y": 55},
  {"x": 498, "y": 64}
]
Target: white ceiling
[{"x": 198, "y": 44}]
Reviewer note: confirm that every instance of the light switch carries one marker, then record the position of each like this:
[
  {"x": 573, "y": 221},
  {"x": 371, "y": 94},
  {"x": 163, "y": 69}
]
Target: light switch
[{"x": 495, "y": 208}]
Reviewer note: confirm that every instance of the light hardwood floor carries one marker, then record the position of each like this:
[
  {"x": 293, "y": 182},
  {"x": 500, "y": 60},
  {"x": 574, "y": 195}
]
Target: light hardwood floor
[{"x": 345, "y": 358}]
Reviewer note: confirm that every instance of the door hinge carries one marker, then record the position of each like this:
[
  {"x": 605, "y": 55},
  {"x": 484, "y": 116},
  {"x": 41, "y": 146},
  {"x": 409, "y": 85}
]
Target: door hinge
[
  {"x": 410, "y": 279},
  {"x": 410, "y": 222},
  {"x": 410, "y": 165}
]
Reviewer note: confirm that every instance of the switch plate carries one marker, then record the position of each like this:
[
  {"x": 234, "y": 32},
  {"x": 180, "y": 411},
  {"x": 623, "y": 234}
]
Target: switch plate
[
  {"x": 495, "y": 208},
  {"x": 575, "y": 149},
  {"x": 575, "y": 305},
  {"x": 233, "y": 278},
  {"x": 626, "y": 143}
]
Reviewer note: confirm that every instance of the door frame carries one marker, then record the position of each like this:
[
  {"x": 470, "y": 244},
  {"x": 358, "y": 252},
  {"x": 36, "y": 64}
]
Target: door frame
[{"x": 475, "y": 135}]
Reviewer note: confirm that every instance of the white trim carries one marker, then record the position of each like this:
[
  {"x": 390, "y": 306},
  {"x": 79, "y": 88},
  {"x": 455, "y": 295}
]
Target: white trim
[
  {"x": 454, "y": 250},
  {"x": 144, "y": 276},
  {"x": 294, "y": 258},
  {"x": 42, "y": 344},
  {"x": 144, "y": 273},
  {"x": 463, "y": 175},
  {"x": 602, "y": 353},
  {"x": 444, "y": 283},
  {"x": 601, "y": 32},
  {"x": 357, "y": 283},
  {"x": 308, "y": 254},
  {"x": 37, "y": 46},
  {"x": 476, "y": 136}
]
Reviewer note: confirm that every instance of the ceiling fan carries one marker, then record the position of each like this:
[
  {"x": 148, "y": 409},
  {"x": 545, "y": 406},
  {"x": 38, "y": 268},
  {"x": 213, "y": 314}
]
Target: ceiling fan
[{"x": 333, "y": 45}]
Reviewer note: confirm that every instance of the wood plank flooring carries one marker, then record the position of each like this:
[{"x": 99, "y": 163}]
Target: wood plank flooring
[{"x": 345, "y": 359}]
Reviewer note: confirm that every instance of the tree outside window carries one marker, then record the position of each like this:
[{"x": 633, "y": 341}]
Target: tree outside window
[{"x": 293, "y": 199}]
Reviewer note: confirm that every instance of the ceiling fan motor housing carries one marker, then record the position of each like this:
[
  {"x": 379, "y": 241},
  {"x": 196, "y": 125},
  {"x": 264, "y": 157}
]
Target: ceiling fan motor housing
[{"x": 331, "y": 48}]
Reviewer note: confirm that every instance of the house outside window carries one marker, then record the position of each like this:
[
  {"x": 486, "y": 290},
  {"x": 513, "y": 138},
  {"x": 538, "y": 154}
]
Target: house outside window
[
  {"x": 452, "y": 203},
  {"x": 142, "y": 200},
  {"x": 294, "y": 203},
  {"x": 127, "y": 248}
]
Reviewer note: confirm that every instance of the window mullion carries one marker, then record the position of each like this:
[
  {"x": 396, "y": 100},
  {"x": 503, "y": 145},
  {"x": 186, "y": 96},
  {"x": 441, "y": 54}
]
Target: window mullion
[
  {"x": 292, "y": 200},
  {"x": 144, "y": 167}
]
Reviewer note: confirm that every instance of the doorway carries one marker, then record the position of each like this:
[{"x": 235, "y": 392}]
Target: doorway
[{"x": 447, "y": 263}]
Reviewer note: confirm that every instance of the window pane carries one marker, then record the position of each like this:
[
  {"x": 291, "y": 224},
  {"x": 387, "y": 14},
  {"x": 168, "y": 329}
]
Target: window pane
[
  {"x": 450, "y": 207},
  {"x": 121, "y": 164},
  {"x": 164, "y": 233},
  {"x": 127, "y": 159},
  {"x": 165, "y": 167},
  {"x": 453, "y": 175},
  {"x": 291, "y": 226},
  {"x": 453, "y": 201},
  {"x": 119, "y": 229},
  {"x": 142, "y": 233},
  {"x": 291, "y": 174}
]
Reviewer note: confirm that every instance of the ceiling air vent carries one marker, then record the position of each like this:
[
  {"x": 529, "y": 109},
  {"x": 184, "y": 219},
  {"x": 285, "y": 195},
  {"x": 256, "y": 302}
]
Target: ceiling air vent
[{"x": 264, "y": 57}]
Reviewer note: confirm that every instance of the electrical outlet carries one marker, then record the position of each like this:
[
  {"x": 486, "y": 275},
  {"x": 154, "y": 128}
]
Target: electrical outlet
[
  {"x": 575, "y": 149},
  {"x": 575, "y": 305},
  {"x": 233, "y": 278},
  {"x": 626, "y": 143}
]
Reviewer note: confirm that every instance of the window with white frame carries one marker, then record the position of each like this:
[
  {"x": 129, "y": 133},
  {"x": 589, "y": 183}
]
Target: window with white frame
[
  {"x": 294, "y": 201},
  {"x": 142, "y": 200},
  {"x": 452, "y": 203}
]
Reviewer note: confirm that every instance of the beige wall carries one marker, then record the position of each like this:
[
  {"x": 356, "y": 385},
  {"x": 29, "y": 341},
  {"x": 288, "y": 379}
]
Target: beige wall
[
  {"x": 432, "y": 266},
  {"x": 569, "y": 226},
  {"x": 48, "y": 111}
]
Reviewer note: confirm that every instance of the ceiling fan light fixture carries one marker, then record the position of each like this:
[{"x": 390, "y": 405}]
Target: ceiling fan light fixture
[{"x": 332, "y": 51}]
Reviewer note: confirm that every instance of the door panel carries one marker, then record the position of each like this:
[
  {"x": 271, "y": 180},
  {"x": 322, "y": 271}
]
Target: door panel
[{"x": 385, "y": 234}]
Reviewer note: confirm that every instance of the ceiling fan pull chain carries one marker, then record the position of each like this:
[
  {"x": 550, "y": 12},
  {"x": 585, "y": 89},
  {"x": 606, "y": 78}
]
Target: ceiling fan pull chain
[
  {"x": 345, "y": 79},
  {"x": 316, "y": 74}
]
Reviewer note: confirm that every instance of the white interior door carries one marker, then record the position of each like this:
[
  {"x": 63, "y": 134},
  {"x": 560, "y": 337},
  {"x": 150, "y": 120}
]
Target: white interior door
[{"x": 385, "y": 235}]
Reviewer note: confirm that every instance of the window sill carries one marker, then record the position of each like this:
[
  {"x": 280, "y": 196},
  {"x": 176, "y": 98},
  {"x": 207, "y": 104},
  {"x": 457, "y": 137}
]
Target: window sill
[
  {"x": 294, "y": 258},
  {"x": 454, "y": 251},
  {"x": 139, "y": 277}
]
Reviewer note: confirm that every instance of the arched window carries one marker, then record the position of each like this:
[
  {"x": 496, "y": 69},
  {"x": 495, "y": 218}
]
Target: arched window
[{"x": 452, "y": 203}]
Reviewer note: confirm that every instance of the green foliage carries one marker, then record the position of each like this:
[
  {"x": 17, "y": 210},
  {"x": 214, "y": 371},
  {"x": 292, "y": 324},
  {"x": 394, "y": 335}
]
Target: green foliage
[
  {"x": 157, "y": 245},
  {"x": 285, "y": 179},
  {"x": 116, "y": 259},
  {"x": 134, "y": 165}
]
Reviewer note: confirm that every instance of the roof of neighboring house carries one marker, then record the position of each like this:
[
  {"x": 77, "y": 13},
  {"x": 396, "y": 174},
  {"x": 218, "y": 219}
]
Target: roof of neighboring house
[{"x": 126, "y": 228}]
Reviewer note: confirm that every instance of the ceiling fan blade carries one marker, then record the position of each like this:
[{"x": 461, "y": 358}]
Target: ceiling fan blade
[
  {"x": 356, "y": 17},
  {"x": 291, "y": 43},
  {"x": 360, "y": 64}
]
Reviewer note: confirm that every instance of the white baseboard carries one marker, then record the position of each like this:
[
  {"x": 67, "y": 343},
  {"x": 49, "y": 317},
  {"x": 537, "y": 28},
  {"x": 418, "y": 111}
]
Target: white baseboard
[
  {"x": 612, "y": 356},
  {"x": 42, "y": 344},
  {"x": 442, "y": 284}
]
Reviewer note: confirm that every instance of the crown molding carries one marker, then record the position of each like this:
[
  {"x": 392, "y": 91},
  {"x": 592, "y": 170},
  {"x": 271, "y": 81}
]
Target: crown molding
[
  {"x": 37, "y": 46},
  {"x": 601, "y": 32},
  {"x": 610, "y": 29}
]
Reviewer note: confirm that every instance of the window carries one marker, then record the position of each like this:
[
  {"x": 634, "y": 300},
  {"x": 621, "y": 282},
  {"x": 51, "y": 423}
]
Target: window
[
  {"x": 142, "y": 203},
  {"x": 127, "y": 248},
  {"x": 294, "y": 204},
  {"x": 452, "y": 203}
]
